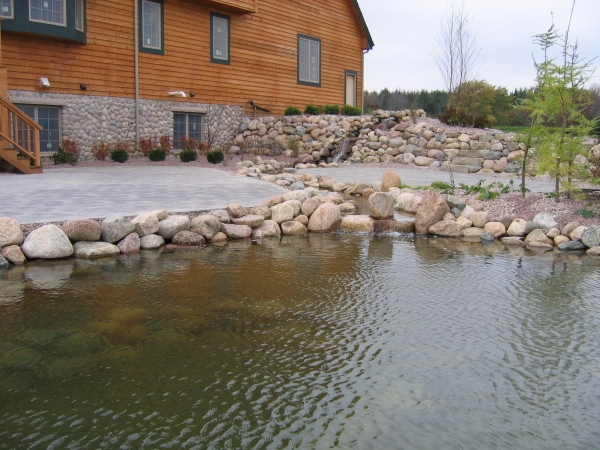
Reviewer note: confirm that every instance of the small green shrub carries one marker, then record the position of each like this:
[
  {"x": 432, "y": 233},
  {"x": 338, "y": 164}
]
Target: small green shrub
[
  {"x": 331, "y": 109},
  {"x": 157, "y": 154},
  {"x": 188, "y": 155},
  {"x": 596, "y": 126},
  {"x": 351, "y": 111},
  {"x": 291, "y": 111},
  {"x": 119, "y": 155},
  {"x": 442, "y": 186},
  {"x": 215, "y": 157},
  {"x": 312, "y": 110},
  {"x": 63, "y": 157}
]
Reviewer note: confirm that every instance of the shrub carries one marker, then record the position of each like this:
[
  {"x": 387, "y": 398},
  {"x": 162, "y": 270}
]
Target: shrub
[
  {"x": 63, "y": 157},
  {"x": 71, "y": 146},
  {"x": 331, "y": 109},
  {"x": 122, "y": 145},
  {"x": 462, "y": 118},
  {"x": 157, "y": 154},
  {"x": 351, "y": 111},
  {"x": 188, "y": 155},
  {"x": 119, "y": 155},
  {"x": 215, "y": 157},
  {"x": 291, "y": 111},
  {"x": 100, "y": 150},
  {"x": 166, "y": 144},
  {"x": 312, "y": 110},
  {"x": 147, "y": 144}
]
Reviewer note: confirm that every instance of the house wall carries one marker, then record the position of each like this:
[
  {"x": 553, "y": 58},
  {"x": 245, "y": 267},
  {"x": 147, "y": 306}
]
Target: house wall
[{"x": 263, "y": 55}]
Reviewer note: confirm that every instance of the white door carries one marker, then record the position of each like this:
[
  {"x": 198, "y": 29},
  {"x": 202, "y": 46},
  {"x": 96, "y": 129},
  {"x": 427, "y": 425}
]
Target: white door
[{"x": 350, "y": 89}]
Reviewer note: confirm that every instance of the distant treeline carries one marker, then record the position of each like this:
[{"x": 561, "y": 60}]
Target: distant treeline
[{"x": 484, "y": 99}]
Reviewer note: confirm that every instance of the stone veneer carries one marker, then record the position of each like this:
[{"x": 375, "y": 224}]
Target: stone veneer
[{"x": 87, "y": 118}]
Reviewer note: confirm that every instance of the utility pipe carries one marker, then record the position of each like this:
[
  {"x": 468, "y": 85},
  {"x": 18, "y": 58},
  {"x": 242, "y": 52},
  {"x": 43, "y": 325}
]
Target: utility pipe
[{"x": 136, "y": 70}]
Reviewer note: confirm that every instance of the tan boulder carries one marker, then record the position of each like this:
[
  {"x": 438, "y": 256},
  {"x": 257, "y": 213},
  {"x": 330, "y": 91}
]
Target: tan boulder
[
  {"x": 206, "y": 225},
  {"x": 261, "y": 211},
  {"x": 432, "y": 210},
  {"x": 473, "y": 232},
  {"x": 517, "y": 228},
  {"x": 357, "y": 224},
  {"x": 172, "y": 225},
  {"x": 479, "y": 218},
  {"x": 236, "y": 210},
  {"x": 496, "y": 229},
  {"x": 561, "y": 240},
  {"x": 381, "y": 205},
  {"x": 302, "y": 219},
  {"x": 578, "y": 233},
  {"x": 368, "y": 192},
  {"x": 569, "y": 228},
  {"x": 10, "y": 232},
  {"x": 390, "y": 179},
  {"x": 404, "y": 225},
  {"x": 293, "y": 228},
  {"x": 218, "y": 237},
  {"x": 446, "y": 228},
  {"x": 145, "y": 224},
  {"x": 464, "y": 223},
  {"x": 309, "y": 206},
  {"x": 269, "y": 228},
  {"x": 14, "y": 255},
  {"x": 236, "y": 231},
  {"x": 538, "y": 236},
  {"x": 250, "y": 219},
  {"x": 326, "y": 218}
]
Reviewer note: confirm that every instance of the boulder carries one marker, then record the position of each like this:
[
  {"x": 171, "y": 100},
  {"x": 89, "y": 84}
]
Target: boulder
[
  {"x": 381, "y": 205},
  {"x": 270, "y": 202},
  {"x": 446, "y": 228},
  {"x": 390, "y": 179},
  {"x": 10, "y": 232},
  {"x": 454, "y": 202},
  {"x": 91, "y": 250},
  {"x": 160, "y": 214},
  {"x": 473, "y": 232},
  {"x": 326, "y": 218},
  {"x": 578, "y": 233},
  {"x": 368, "y": 192},
  {"x": 357, "y": 224},
  {"x": 115, "y": 228},
  {"x": 467, "y": 211},
  {"x": 302, "y": 219},
  {"x": 545, "y": 220},
  {"x": 206, "y": 225},
  {"x": 145, "y": 224},
  {"x": 539, "y": 246},
  {"x": 591, "y": 237},
  {"x": 47, "y": 242},
  {"x": 129, "y": 244},
  {"x": 261, "y": 211},
  {"x": 14, "y": 255},
  {"x": 188, "y": 238},
  {"x": 221, "y": 215},
  {"x": 172, "y": 225},
  {"x": 560, "y": 240},
  {"x": 496, "y": 229},
  {"x": 572, "y": 245},
  {"x": 236, "y": 210},
  {"x": 479, "y": 218},
  {"x": 347, "y": 207},
  {"x": 569, "y": 228},
  {"x": 486, "y": 237},
  {"x": 293, "y": 228},
  {"x": 424, "y": 161},
  {"x": 282, "y": 212},
  {"x": 151, "y": 241},
  {"x": 552, "y": 233},
  {"x": 236, "y": 231},
  {"x": 517, "y": 228},
  {"x": 404, "y": 199},
  {"x": 464, "y": 223},
  {"x": 309, "y": 206},
  {"x": 432, "y": 210},
  {"x": 404, "y": 225},
  {"x": 295, "y": 204},
  {"x": 513, "y": 241},
  {"x": 4, "y": 264},
  {"x": 594, "y": 251},
  {"x": 218, "y": 237},
  {"x": 538, "y": 236},
  {"x": 82, "y": 230},
  {"x": 269, "y": 228},
  {"x": 297, "y": 195},
  {"x": 251, "y": 220}
]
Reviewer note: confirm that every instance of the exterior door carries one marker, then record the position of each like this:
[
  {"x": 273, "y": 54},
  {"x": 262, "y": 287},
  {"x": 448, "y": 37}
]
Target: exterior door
[{"x": 350, "y": 89}]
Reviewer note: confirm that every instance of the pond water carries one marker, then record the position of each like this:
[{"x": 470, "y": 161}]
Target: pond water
[{"x": 325, "y": 341}]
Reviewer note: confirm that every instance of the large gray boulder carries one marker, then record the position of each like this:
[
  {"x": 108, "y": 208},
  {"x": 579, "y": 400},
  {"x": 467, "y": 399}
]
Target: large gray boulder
[
  {"x": 91, "y": 250},
  {"x": 82, "y": 230},
  {"x": 432, "y": 210},
  {"x": 10, "y": 232},
  {"x": 591, "y": 237},
  {"x": 47, "y": 242},
  {"x": 115, "y": 228},
  {"x": 172, "y": 225},
  {"x": 236, "y": 231},
  {"x": 545, "y": 220},
  {"x": 326, "y": 218},
  {"x": 145, "y": 224},
  {"x": 269, "y": 228},
  {"x": 151, "y": 241},
  {"x": 282, "y": 212},
  {"x": 221, "y": 214},
  {"x": 207, "y": 225},
  {"x": 381, "y": 205}
]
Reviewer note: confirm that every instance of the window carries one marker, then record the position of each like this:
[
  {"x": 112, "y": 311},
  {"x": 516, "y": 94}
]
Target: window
[
  {"x": 48, "y": 11},
  {"x": 309, "y": 60},
  {"x": 79, "y": 15},
  {"x": 186, "y": 126},
  {"x": 151, "y": 28},
  {"x": 49, "y": 118},
  {"x": 219, "y": 38},
  {"x": 6, "y": 9}
]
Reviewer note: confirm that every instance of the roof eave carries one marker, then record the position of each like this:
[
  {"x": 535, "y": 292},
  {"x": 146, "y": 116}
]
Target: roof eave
[{"x": 370, "y": 43}]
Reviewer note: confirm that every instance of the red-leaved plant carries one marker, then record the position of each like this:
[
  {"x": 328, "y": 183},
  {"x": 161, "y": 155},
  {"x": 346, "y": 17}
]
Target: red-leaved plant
[
  {"x": 100, "y": 150},
  {"x": 166, "y": 144},
  {"x": 71, "y": 146},
  {"x": 148, "y": 144}
]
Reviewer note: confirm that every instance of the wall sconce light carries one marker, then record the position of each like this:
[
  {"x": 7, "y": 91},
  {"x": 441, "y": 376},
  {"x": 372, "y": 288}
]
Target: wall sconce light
[
  {"x": 83, "y": 87},
  {"x": 177, "y": 94},
  {"x": 44, "y": 82},
  {"x": 192, "y": 94}
]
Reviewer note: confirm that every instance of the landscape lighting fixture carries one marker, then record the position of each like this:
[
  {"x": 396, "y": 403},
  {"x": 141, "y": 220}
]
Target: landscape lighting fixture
[
  {"x": 44, "y": 82},
  {"x": 192, "y": 94},
  {"x": 83, "y": 87},
  {"x": 177, "y": 94}
]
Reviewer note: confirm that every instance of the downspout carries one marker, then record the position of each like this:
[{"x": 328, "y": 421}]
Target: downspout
[
  {"x": 362, "y": 82},
  {"x": 136, "y": 70}
]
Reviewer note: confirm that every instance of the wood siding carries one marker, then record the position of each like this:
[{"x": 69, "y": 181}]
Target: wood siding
[{"x": 263, "y": 54}]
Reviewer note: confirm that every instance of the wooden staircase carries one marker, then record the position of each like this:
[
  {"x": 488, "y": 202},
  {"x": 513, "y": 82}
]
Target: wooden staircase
[{"x": 19, "y": 139}]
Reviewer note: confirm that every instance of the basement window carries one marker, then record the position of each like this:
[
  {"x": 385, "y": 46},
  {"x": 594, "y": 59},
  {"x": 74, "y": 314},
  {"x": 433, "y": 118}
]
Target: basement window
[
  {"x": 6, "y": 9},
  {"x": 186, "y": 126},
  {"x": 49, "y": 118},
  {"x": 219, "y": 38},
  {"x": 48, "y": 11},
  {"x": 309, "y": 60}
]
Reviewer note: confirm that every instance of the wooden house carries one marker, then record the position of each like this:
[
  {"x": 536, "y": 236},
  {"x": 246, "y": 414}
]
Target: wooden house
[{"x": 131, "y": 69}]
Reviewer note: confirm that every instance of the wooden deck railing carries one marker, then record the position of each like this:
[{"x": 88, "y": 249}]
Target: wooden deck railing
[{"x": 20, "y": 131}]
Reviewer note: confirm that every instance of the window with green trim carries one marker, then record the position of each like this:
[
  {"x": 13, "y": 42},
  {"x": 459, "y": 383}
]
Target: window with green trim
[
  {"x": 48, "y": 11},
  {"x": 79, "y": 15},
  {"x": 152, "y": 24},
  {"x": 6, "y": 9},
  {"x": 309, "y": 60},
  {"x": 219, "y": 38}
]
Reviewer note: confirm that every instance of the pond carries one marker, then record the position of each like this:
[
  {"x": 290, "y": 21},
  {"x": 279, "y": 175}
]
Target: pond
[{"x": 325, "y": 341}]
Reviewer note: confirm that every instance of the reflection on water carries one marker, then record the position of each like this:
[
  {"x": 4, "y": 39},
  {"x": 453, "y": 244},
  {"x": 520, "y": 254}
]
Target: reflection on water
[{"x": 306, "y": 342}]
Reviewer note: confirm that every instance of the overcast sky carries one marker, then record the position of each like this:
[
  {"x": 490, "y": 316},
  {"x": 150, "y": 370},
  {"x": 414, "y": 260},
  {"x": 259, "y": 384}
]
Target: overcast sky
[{"x": 404, "y": 34}]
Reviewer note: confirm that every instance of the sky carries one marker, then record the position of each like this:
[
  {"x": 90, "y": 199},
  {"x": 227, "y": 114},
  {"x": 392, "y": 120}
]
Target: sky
[{"x": 404, "y": 33}]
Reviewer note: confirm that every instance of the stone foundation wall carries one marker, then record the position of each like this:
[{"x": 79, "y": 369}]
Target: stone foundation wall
[{"x": 87, "y": 118}]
